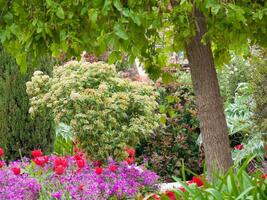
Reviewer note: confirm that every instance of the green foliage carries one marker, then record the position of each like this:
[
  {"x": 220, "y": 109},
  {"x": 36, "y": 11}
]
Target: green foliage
[
  {"x": 18, "y": 131},
  {"x": 236, "y": 184},
  {"x": 136, "y": 27},
  {"x": 105, "y": 112},
  {"x": 230, "y": 76},
  {"x": 242, "y": 125},
  {"x": 175, "y": 141},
  {"x": 64, "y": 140},
  {"x": 239, "y": 113},
  {"x": 259, "y": 83}
]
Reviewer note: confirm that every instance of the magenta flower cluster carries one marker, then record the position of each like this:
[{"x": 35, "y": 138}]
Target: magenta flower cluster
[
  {"x": 78, "y": 179},
  {"x": 14, "y": 187}
]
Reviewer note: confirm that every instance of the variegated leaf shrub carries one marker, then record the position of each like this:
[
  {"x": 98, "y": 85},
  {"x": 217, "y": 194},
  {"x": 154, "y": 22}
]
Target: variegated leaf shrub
[{"x": 106, "y": 113}]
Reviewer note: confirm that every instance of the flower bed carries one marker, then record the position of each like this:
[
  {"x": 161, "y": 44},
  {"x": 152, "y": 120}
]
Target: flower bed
[{"x": 72, "y": 177}]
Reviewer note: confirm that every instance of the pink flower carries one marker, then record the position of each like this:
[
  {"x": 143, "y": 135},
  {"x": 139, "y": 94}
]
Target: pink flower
[{"x": 239, "y": 147}]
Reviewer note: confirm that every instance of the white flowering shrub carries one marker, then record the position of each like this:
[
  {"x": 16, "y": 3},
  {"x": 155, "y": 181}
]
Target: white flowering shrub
[{"x": 106, "y": 113}]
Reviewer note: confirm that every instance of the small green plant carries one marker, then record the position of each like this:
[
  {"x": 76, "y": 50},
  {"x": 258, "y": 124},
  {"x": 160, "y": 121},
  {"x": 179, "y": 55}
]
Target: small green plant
[
  {"x": 236, "y": 184},
  {"x": 64, "y": 140},
  {"x": 105, "y": 112}
]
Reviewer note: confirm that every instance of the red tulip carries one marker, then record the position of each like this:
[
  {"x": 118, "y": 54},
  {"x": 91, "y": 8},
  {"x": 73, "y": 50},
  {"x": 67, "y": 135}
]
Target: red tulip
[
  {"x": 198, "y": 181},
  {"x": 131, "y": 152},
  {"x": 155, "y": 197},
  {"x": 78, "y": 156},
  {"x": 182, "y": 189},
  {"x": 264, "y": 176},
  {"x": 81, "y": 187},
  {"x": 60, "y": 169},
  {"x": 1, "y": 152},
  {"x": 98, "y": 170},
  {"x": 37, "y": 153},
  {"x": 16, "y": 170},
  {"x": 99, "y": 163},
  {"x": 76, "y": 150},
  {"x": 171, "y": 195},
  {"x": 130, "y": 161},
  {"x": 1, "y": 164},
  {"x": 113, "y": 168},
  {"x": 80, "y": 163},
  {"x": 61, "y": 161},
  {"x": 239, "y": 147},
  {"x": 190, "y": 182},
  {"x": 41, "y": 161}
]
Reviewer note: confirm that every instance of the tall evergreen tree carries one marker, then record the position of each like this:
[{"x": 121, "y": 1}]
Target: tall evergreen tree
[{"x": 18, "y": 131}]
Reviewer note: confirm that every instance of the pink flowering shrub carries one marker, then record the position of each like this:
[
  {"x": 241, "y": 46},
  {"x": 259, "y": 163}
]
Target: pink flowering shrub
[{"x": 73, "y": 177}]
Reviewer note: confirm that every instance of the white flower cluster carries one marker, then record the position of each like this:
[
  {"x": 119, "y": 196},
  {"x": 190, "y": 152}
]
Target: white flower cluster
[{"x": 106, "y": 112}]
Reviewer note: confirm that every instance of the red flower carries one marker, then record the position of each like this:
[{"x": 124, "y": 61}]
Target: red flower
[
  {"x": 263, "y": 176},
  {"x": 198, "y": 181},
  {"x": 61, "y": 161},
  {"x": 171, "y": 195},
  {"x": 113, "y": 168},
  {"x": 81, "y": 187},
  {"x": 98, "y": 170},
  {"x": 182, "y": 189},
  {"x": 16, "y": 170},
  {"x": 41, "y": 161},
  {"x": 1, "y": 164},
  {"x": 60, "y": 169},
  {"x": 37, "y": 153},
  {"x": 131, "y": 152},
  {"x": 155, "y": 197},
  {"x": 1, "y": 152},
  {"x": 190, "y": 182},
  {"x": 78, "y": 157},
  {"x": 76, "y": 149},
  {"x": 98, "y": 163},
  {"x": 80, "y": 163},
  {"x": 239, "y": 147},
  {"x": 130, "y": 160}
]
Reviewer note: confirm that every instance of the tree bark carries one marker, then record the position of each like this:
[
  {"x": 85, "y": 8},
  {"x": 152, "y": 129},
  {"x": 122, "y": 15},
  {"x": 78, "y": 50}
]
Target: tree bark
[{"x": 210, "y": 108}]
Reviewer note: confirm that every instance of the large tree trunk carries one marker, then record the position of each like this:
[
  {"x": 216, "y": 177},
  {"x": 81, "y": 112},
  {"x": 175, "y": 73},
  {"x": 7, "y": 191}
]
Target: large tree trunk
[{"x": 210, "y": 108}]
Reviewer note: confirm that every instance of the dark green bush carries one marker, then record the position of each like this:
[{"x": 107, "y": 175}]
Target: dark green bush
[
  {"x": 177, "y": 140},
  {"x": 18, "y": 131}
]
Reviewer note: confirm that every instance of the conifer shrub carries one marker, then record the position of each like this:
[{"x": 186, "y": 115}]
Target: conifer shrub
[{"x": 18, "y": 131}]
